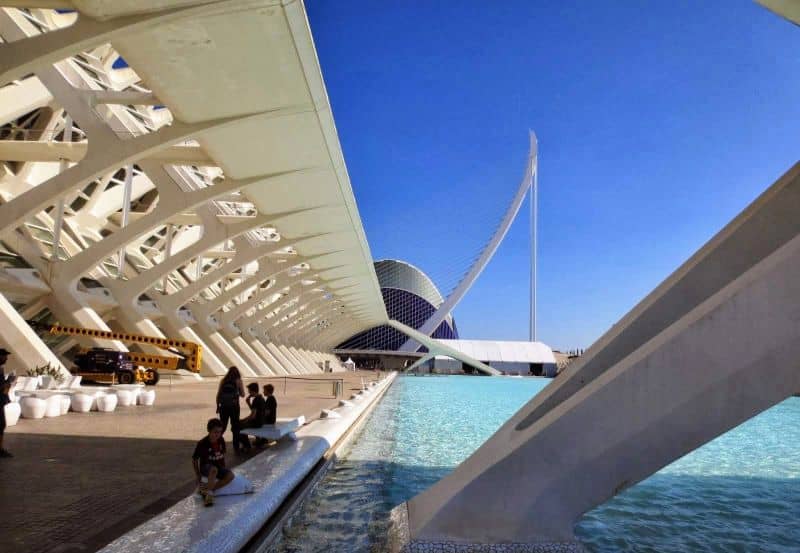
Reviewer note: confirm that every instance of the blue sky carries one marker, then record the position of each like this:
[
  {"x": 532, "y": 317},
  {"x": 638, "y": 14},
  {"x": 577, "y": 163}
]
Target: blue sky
[{"x": 657, "y": 122}]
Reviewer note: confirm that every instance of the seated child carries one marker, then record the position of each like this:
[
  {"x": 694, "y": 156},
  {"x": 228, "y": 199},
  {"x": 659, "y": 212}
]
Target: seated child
[
  {"x": 208, "y": 460},
  {"x": 258, "y": 411},
  {"x": 271, "y": 404}
]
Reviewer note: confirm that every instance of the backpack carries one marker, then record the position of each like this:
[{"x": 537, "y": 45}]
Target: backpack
[{"x": 229, "y": 395}]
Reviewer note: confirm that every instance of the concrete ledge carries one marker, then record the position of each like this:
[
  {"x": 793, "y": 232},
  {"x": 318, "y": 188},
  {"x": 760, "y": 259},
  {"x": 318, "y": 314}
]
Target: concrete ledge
[{"x": 234, "y": 520}]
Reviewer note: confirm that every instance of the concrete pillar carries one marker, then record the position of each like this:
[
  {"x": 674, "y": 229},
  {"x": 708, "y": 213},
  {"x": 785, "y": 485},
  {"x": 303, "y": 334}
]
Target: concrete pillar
[
  {"x": 274, "y": 365},
  {"x": 307, "y": 359},
  {"x": 256, "y": 362},
  {"x": 27, "y": 348},
  {"x": 298, "y": 366},
  {"x": 299, "y": 362},
  {"x": 287, "y": 365},
  {"x": 224, "y": 350}
]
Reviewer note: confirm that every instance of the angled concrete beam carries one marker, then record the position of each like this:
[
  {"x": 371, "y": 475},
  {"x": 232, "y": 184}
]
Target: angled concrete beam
[
  {"x": 715, "y": 344},
  {"x": 243, "y": 257},
  {"x": 237, "y": 311},
  {"x": 121, "y": 97},
  {"x": 27, "y": 151},
  {"x": 99, "y": 161},
  {"x": 282, "y": 329},
  {"x": 79, "y": 264},
  {"x": 759, "y": 230},
  {"x": 438, "y": 348},
  {"x": 27, "y": 348}
]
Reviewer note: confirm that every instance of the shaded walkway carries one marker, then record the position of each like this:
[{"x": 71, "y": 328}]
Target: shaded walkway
[{"x": 73, "y": 486}]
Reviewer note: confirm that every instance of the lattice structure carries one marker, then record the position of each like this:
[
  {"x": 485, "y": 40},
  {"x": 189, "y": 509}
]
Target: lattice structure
[{"x": 161, "y": 175}]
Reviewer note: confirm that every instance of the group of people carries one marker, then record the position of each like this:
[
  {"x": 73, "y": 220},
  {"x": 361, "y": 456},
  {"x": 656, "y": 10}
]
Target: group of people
[{"x": 208, "y": 459}]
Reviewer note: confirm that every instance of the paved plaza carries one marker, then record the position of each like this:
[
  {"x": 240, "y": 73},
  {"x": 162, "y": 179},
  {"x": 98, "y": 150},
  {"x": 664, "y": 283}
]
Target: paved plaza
[{"x": 78, "y": 481}]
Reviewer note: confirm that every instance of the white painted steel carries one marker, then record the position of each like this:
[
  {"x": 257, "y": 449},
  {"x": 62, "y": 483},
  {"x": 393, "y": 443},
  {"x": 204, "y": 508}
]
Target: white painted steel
[
  {"x": 486, "y": 255},
  {"x": 234, "y": 152}
]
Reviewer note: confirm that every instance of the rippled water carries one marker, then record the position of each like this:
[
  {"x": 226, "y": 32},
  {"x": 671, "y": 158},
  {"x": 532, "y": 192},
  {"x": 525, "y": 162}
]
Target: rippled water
[{"x": 740, "y": 492}]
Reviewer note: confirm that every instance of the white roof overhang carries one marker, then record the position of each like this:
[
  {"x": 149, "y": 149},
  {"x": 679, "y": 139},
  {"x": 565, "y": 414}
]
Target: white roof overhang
[{"x": 258, "y": 63}]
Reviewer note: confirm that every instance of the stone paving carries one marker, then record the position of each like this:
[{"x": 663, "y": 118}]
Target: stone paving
[{"x": 79, "y": 481}]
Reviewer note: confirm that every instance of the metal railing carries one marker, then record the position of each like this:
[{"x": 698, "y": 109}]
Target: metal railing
[{"x": 336, "y": 384}]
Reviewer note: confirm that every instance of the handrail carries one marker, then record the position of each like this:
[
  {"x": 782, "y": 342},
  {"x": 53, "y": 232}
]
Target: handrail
[{"x": 338, "y": 383}]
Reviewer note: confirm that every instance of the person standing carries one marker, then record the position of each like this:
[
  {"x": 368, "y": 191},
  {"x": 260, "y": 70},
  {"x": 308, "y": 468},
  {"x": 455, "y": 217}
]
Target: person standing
[
  {"x": 228, "y": 394},
  {"x": 5, "y": 389}
]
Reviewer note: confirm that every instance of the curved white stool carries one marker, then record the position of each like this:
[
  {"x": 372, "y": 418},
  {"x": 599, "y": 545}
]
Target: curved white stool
[
  {"x": 147, "y": 397},
  {"x": 32, "y": 407},
  {"x": 53, "y": 406},
  {"x": 81, "y": 403},
  {"x": 106, "y": 403},
  {"x": 126, "y": 398},
  {"x": 12, "y": 412}
]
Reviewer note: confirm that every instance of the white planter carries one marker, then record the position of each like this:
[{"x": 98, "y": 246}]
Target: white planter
[
  {"x": 32, "y": 407},
  {"x": 106, "y": 403},
  {"x": 81, "y": 403},
  {"x": 53, "y": 406},
  {"x": 147, "y": 397},
  {"x": 12, "y": 412},
  {"x": 126, "y": 398}
]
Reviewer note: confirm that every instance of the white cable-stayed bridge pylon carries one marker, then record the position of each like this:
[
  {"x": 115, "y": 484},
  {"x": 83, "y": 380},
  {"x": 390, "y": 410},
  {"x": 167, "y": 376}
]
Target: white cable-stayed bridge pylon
[{"x": 469, "y": 278}]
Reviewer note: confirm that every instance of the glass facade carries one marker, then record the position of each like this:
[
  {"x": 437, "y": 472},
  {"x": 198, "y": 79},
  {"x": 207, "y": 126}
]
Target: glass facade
[{"x": 409, "y": 306}]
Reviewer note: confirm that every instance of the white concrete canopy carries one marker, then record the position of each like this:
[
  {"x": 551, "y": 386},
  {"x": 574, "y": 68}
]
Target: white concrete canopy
[{"x": 270, "y": 179}]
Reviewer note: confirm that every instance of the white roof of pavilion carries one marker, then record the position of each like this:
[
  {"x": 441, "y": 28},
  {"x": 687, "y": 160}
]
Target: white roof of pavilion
[{"x": 503, "y": 351}]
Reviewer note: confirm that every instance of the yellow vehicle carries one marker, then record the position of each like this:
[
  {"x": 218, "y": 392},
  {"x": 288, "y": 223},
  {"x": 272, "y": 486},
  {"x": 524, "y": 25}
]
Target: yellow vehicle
[{"x": 127, "y": 367}]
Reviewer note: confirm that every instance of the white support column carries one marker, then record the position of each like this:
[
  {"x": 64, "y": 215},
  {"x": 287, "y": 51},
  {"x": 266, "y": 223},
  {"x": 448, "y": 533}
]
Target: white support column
[
  {"x": 255, "y": 361},
  {"x": 310, "y": 362},
  {"x": 298, "y": 366},
  {"x": 274, "y": 365},
  {"x": 126, "y": 210},
  {"x": 170, "y": 230},
  {"x": 534, "y": 228},
  {"x": 27, "y": 348},
  {"x": 224, "y": 350},
  {"x": 58, "y": 223},
  {"x": 285, "y": 363},
  {"x": 304, "y": 363}
]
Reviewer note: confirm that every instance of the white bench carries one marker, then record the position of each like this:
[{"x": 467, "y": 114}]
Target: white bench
[{"x": 281, "y": 428}]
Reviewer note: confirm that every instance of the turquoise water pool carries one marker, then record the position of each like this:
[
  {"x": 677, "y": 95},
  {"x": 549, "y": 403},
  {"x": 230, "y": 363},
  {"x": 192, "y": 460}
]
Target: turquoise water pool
[{"x": 740, "y": 492}]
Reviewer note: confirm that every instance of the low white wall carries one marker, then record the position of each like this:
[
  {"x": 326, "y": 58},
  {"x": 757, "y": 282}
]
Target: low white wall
[{"x": 234, "y": 520}]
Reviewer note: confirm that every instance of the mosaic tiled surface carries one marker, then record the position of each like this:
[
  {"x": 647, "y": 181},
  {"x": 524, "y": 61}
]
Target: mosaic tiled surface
[
  {"x": 450, "y": 547},
  {"x": 400, "y": 542}
]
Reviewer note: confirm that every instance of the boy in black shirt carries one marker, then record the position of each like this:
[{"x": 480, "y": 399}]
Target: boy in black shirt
[
  {"x": 257, "y": 414},
  {"x": 208, "y": 460},
  {"x": 271, "y": 404}
]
